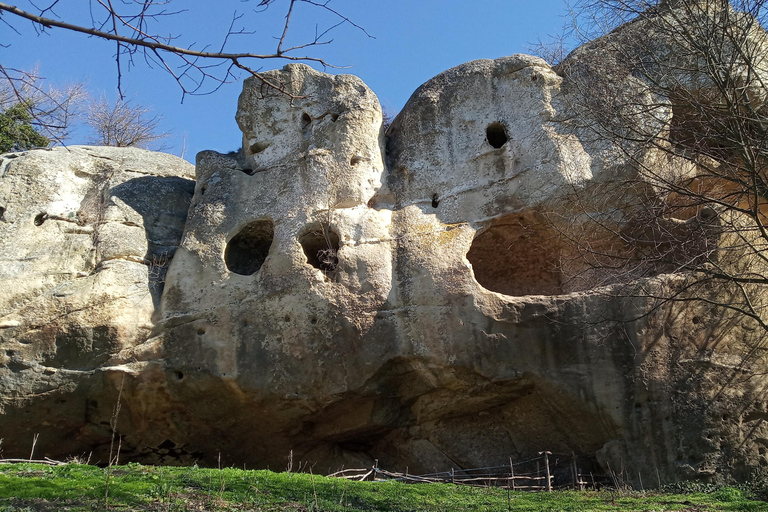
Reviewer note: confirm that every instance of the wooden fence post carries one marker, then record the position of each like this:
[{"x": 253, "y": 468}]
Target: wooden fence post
[
  {"x": 512, "y": 472},
  {"x": 574, "y": 474},
  {"x": 546, "y": 467}
]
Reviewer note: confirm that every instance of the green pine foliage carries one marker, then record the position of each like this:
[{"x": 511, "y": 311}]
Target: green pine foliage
[{"x": 17, "y": 132}]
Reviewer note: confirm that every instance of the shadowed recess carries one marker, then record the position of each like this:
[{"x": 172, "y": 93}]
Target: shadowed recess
[
  {"x": 248, "y": 249},
  {"x": 496, "y": 134},
  {"x": 517, "y": 255},
  {"x": 321, "y": 246}
]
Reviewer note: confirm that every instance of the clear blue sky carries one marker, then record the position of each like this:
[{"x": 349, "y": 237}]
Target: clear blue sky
[{"x": 413, "y": 40}]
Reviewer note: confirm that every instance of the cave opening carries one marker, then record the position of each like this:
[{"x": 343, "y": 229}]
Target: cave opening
[
  {"x": 249, "y": 248},
  {"x": 517, "y": 254},
  {"x": 321, "y": 246},
  {"x": 496, "y": 135}
]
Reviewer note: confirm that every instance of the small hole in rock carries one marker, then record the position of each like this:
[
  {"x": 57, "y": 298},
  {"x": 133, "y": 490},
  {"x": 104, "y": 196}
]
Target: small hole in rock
[
  {"x": 259, "y": 146},
  {"x": 435, "y": 200},
  {"x": 247, "y": 251},
  {"x": 313, "y": 321},
  {"x": 167, "y": 445},
  {"x": 179, "y": 376},
  {"x": 306, "y": 120},
  {"x": 40, "y": 218},
  {"x": 2, "y": 212},
  {"x": 287, "y": 318},
  {"x": 200, "y": 332},
  {"x": 496, "y": 134},
  {"x": 356, "y": 160},
  {"x": 707, "y": 214},
  {"x": 249, "y": 172},
  {"x": 203, "y": 189},
  {"x": 321, "y": 246},
  {"x": 695, "y": 320},
  {"x": 334, "y": 117}
]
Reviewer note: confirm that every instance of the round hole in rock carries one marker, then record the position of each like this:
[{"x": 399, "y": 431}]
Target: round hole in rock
[
  {"x": 517, "y": 257},
  {"x": 306, "y": 120},
  {"x": 496, "y": 134},
  {"x": 248, "y": 249},
  {"x": 179, "y": 376},
  {"x": 435, "y": 200},
  {"x": 321, "y": 246},
  {"x": 40, "y": 218}
]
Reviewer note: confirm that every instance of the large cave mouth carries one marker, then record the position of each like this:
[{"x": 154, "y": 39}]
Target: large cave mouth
[
  {"x": 518, "y": 254},
  {"x": 248, "y": 249}
]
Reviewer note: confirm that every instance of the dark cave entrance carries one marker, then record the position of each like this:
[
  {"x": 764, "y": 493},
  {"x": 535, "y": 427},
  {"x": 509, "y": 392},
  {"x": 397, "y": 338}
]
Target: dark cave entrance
[{"x": 249, "y": 248}]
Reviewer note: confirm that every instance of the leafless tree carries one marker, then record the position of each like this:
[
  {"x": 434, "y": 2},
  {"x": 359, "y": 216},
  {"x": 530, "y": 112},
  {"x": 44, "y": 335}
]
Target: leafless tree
[
  {"x": 552, "y": 49},
  {"x": 679, "y": 95},
  {"x": 136, "y": 28},
  {"x": 123, "y": 125},
  {"x": 670, "y": 101},
  {"x": 52, "y": 109}
]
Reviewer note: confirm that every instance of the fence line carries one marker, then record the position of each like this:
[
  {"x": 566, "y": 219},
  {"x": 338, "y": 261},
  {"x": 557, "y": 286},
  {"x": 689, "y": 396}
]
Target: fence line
[{"x": 544, "y": 473}]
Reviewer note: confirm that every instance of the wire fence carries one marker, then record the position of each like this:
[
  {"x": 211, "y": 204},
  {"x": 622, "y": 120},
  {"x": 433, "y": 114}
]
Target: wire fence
[{"x": 546, "y": 472}]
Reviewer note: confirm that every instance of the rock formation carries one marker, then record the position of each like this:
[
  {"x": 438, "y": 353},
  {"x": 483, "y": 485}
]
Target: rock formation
[
  {"x": 347, "y": 295},
  {"x": 87, "y": 234}
]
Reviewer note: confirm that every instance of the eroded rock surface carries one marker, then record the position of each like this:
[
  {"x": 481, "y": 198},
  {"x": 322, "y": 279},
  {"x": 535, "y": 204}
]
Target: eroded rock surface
[
  {"x": 345, "y": 295},
  {"x": 85, "y": 240}
]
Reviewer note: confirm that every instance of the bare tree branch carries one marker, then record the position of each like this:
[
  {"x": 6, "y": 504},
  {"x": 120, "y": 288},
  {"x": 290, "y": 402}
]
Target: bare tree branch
[
  {"x": 131, "y": 34},
  {"x": 52, "y": 109},
  {"x": 680, "y": 95},
  {"x": 123, "y": 125}
]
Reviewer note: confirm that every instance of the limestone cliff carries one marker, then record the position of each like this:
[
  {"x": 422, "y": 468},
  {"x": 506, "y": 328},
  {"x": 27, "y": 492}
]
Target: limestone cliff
[{"x": 350, "y": 295}]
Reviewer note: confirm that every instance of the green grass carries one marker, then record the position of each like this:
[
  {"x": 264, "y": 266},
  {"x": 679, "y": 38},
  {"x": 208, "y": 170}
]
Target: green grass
[{"x": 74, "y": 487}]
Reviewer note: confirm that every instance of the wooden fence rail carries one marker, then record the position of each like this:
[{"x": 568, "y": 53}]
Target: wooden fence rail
[{"x": 535, "y": 475}]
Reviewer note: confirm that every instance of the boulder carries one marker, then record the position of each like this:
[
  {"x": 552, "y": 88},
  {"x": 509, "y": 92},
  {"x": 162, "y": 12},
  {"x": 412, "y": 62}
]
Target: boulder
[{"x": 86, "y": 237}]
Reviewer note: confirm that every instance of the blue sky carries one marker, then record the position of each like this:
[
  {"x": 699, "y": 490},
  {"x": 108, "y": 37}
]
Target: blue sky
[{"x": 413, "y": 40}]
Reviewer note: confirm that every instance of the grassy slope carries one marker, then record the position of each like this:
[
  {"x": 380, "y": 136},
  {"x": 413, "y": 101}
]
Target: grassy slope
[{"x": 134, "y": 487}]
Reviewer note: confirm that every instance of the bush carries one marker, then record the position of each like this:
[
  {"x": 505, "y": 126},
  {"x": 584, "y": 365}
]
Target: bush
[
  {"x": 728, "y": 494},
  {"x": 17, "y": 132}
]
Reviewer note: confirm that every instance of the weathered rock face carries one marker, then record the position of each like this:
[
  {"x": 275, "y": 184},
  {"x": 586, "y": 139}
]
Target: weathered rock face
[
  {"x": 347, "y": 295},
  {"x": 87, "y": 234}
]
